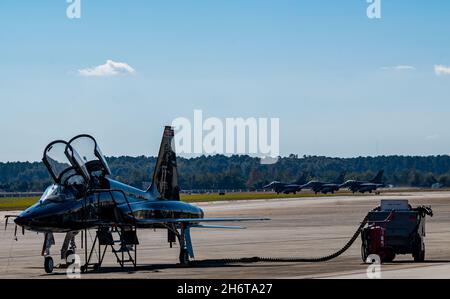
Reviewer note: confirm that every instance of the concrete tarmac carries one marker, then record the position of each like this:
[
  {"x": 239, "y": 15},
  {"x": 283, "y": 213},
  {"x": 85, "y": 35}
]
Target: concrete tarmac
[{"x": 306, "y": 227}]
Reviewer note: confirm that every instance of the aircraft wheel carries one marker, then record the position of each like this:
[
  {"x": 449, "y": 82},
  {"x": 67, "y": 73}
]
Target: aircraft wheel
[
  {"x": 48, "y": 264},
  {"x": 184, "y": 256}
]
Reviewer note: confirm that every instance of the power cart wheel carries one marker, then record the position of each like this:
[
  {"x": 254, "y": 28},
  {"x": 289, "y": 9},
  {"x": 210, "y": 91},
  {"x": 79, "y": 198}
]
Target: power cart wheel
[
  {"x": 389, "y": 255},
  {"x": 419, "y": 254},
  {"x": 364, "y": 253},
  {"x": 48, "y": 264}
]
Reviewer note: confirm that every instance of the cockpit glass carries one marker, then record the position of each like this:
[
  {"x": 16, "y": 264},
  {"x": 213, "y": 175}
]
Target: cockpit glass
[
  {"x": 80, "y": 156},
  {"x": 90, "y": 154},
  {"x": 85, "y": 147},
  {"x": 77, "y": 160},
  {"x": 72, "y": 177},
  {"x": 56, "y": 160},
  {"x": 103, "y": 160},
  {"x": 51, "y": 192}
]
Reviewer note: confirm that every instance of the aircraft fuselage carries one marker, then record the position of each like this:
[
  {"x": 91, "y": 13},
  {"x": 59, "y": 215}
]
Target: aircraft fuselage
[{"x": 103, "y": 208}]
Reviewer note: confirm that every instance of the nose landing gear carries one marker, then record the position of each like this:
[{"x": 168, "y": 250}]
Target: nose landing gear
[
  {"x": 48, "y": 264},
  {"x": 67, "y": 250},
  {"x": 49, "y": 240}
]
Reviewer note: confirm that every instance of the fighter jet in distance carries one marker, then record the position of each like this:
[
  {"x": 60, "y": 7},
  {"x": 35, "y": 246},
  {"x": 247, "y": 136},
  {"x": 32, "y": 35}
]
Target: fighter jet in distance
[
  {"x": 279, "y": 187},
  {"x": 324, "y": 187},
  {"x": 287, "y": 188},
  {"x": 365, "y": 186},
  {"x": 84, "y": 197}
]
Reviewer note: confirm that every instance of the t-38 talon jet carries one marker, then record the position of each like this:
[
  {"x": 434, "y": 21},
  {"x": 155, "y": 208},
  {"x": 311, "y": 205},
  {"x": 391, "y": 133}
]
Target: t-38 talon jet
[
  {"x": 364, "y": 186},
  {"x": 84, "y": 197}
]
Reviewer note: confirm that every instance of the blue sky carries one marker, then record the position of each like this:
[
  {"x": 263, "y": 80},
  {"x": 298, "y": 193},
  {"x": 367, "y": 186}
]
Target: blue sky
[{"x": 327, "y": 71}]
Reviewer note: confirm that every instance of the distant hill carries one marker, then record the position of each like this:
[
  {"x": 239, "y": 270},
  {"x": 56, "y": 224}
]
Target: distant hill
[{"x": 242, "y": 172}]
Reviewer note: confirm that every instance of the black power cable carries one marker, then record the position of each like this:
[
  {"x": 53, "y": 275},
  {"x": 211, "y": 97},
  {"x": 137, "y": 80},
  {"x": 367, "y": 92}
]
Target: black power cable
[{"x": 257, "y": 259}]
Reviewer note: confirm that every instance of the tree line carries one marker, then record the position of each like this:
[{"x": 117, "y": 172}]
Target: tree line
[{"x": 245, "y": 172}]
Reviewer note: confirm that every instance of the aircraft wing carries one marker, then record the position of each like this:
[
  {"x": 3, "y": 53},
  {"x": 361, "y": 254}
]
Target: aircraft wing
[
  {"x": 293, "y": 186},
  {"x": 217, "y": 226},
  {"x": 195, "y": 220},
  {"x": 218, "y": 219},
  {"x": 330, "y": 185},
  {"x": 368, "y": 185}
]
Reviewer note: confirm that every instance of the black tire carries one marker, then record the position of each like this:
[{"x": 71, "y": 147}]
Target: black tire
[
  {"x": 389, "y": 255},
  {"x": 419, "y": 254},
  {"x": 48, "y": 264},
  {"x": 184, "y": 256},
  {"x": 364, "y": 254},
  {"x": 69, "y": 253}
]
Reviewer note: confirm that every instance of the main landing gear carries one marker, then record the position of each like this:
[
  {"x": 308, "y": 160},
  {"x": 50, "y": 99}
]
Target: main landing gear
[{"x": 186, "y": 250}]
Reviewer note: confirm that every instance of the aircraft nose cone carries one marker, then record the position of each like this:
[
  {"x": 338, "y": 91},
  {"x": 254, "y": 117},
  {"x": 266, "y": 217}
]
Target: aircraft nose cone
[
  {"x": 19, "y": 221},
  {"x": 22, "y": 220}
]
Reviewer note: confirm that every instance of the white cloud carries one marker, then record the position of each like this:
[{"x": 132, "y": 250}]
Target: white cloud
[
  {"x": 110, "y": 68},
  {"x": 442, "y": 70},
  {"x": 399, "y": 68}
]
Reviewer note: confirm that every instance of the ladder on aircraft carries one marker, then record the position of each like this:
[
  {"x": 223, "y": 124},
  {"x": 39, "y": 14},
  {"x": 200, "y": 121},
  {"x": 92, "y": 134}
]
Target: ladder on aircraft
[{"x": 122, "y": 242}]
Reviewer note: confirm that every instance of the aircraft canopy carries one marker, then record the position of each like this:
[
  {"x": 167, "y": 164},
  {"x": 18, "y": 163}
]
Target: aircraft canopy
[{"x": 81, "y": 154}]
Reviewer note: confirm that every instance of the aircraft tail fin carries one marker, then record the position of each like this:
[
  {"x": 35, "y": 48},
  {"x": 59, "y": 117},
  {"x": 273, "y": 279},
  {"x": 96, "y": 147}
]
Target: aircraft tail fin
[
  {"x": 165, "y": 176},
  {"x": 303, "y": 178},
  {"x": 378, "y": 178},
  {"x": 341, "y": 178}
]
